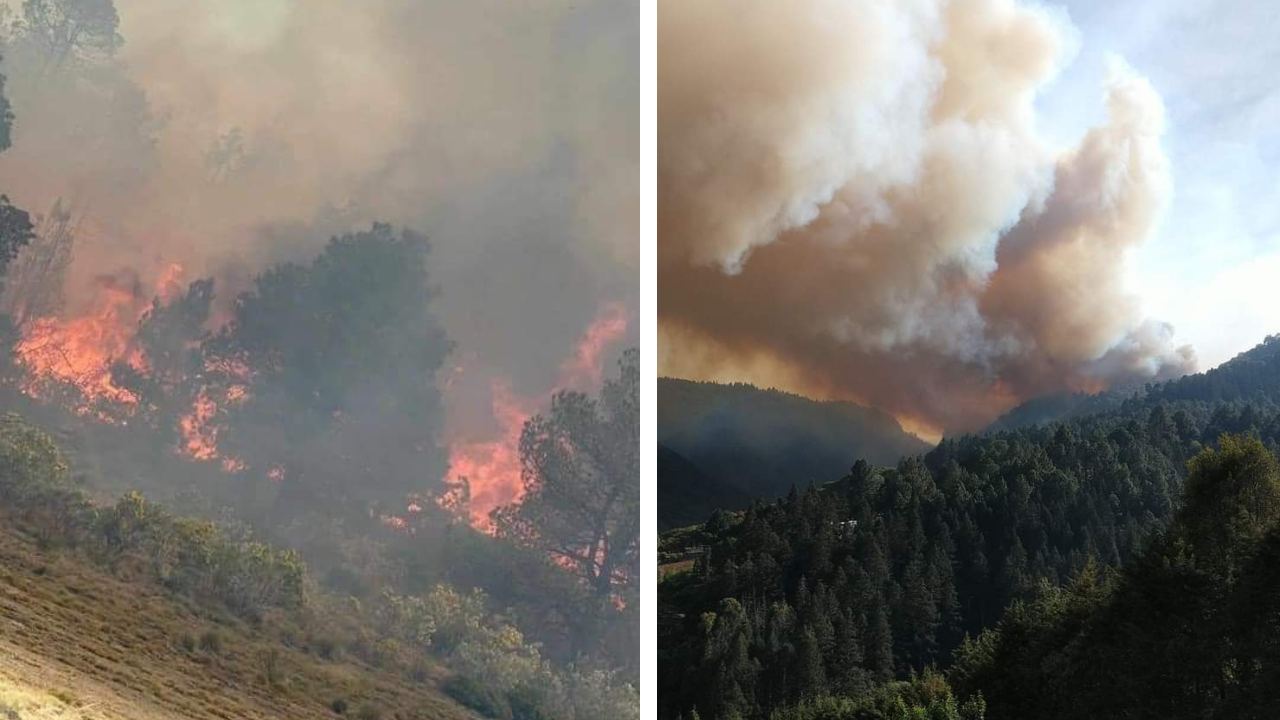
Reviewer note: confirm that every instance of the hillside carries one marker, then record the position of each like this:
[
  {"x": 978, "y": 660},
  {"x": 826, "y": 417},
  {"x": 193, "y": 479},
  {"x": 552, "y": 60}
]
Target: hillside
[
  {"x": 1250, "y": 376},
  {"x": 866, "y": 582},
  {"x": 686, "y": 492},
  {"x": 80, "y": 642},
  {"x": 758, "y": 443},
  {"x": 150, "y": 614}
]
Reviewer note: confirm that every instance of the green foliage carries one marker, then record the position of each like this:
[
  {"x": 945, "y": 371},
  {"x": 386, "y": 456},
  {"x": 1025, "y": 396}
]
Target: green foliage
[
  {"x": 886, "y": 571},
  {"x": 191, "y": 557},
  {"x": 339, "y": 357},
  {"x": 211, "y": 642},
  {"x": 926, "y": 697},
  {"x": 1187, "y": 630},
  {"x": 16, "y": 230},
  {"x": 477, "y": 696},
  {"x": 6, "y": 119},
  {"x": 70, "y": 31}
]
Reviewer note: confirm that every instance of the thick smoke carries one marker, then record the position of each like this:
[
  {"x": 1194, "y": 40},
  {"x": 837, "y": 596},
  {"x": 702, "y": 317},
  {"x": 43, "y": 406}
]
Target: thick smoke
[
  {"x": 855, "y": 201},
  {"x": 226, "y": 136}
]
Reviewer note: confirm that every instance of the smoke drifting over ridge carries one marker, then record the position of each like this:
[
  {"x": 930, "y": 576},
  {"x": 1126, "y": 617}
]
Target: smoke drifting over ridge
[
  {"x": 855, "y": 202},
  {"x": 226, "y": 136}
]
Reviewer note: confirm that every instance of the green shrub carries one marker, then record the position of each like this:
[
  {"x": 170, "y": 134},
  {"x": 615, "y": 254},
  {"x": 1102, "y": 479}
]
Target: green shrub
[
  {"x": 211, "y": 642},
  {"x": 273, "y": 673},
  {"x": 325, "y": 647},
  {"x": 478, "y": 697}
]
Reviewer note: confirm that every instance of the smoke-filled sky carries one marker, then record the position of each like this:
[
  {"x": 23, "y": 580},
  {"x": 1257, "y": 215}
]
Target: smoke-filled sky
[
  {"x": 227, "y": 135},
  {"x": 1210, "y": 268},
  {"x": 944, "y": 208}
]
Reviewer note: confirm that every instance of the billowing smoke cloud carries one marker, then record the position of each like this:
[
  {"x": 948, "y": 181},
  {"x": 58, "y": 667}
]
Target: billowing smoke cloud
[
  {"x": 855, "y": 201},
  {"x": 225, "y": 136}
]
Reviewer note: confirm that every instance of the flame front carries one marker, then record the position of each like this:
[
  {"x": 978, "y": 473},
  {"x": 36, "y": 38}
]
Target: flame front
[
  {"x": 73, "y": 358},
  {"x": 491, "y": 468},
  {"x": 78, "y": 352}
]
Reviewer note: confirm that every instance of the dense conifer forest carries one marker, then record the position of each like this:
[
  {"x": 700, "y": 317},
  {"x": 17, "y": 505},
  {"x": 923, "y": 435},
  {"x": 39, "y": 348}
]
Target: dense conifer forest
[{"x": 1114, "y": 564}]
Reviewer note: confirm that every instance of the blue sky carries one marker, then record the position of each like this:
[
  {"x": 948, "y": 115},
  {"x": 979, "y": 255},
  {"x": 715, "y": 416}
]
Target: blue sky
[{"x": 1212, "y": 269}]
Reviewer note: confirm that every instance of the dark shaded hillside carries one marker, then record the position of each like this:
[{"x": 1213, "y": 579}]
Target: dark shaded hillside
[
  {"x": 761, "y": 442},
  {"x": 687, "y": 492}
]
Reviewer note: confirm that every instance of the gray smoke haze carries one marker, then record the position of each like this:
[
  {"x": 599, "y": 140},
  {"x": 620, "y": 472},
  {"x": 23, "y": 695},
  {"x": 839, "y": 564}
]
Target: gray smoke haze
[
  {"x": 855, "y": 202},
  {"x": 228, "y": 135}
]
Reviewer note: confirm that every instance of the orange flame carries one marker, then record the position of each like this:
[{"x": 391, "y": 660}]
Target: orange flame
[
  {"x": 491, "y": 468},
  {"x": 77, "y": 353},
  {"x": 200, "y": 434}
]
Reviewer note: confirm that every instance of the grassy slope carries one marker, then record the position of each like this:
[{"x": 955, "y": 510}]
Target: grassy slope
[{"x": 87, "y": 644}]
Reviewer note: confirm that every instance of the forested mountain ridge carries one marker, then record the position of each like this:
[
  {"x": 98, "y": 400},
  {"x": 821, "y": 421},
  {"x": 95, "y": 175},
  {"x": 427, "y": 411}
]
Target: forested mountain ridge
[
  {"x": 757, "y": 443},
  {"x": 1247, "y": 376},
  {"x": 806, "y": 606}
]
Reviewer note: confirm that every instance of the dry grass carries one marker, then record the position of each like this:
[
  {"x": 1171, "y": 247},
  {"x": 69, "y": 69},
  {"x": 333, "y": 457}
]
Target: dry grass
[
  {"x": 80, "y": 644},
  {"x": 675, "y": 568},
  {"x": 22, "y": 702}
]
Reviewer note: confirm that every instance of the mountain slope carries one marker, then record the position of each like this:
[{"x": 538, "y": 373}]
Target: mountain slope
[
  {"x": 106, "y": 647},
  {"x": 687, "y": 493},
  {"x": 1252, "y": 376},
  {"x": 884, "y": 573},
  {"x": 761, "y": 442}
]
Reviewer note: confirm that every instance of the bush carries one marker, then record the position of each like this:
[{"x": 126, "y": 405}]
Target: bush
[
  {"x": 273, "y": 669},
  {"x": 338, "y": 706},
  {"x": 211, "y": 642},
  {"x": 478, "y": 697},
  {"x": 326, "y": 647}
]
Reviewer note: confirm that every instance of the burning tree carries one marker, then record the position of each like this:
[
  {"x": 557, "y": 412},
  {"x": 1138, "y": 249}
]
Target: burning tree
[
  {"x": 580, "y": 465},
  {"x": 342, "y": 354}
]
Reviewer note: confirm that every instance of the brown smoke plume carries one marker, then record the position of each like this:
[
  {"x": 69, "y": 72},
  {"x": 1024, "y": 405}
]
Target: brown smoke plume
[{"x": 855, "y": 201}]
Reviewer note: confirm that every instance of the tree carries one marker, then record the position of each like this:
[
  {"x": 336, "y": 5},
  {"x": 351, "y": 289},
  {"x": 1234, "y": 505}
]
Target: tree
[
  {"x": 169, "y": 333},
  {"x": 6, "y": 118},
  {"x": 338, "y": 361},
  {"x": 581, "y": 468},
  {"x": 16, "y": 231},
  {"x": 1232, "y": 499},
  {"x": 65, "y": 31}
]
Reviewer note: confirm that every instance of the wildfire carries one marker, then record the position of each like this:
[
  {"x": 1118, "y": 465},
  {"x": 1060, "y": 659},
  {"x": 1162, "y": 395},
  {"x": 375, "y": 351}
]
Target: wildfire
[
  {"x": 584, "y": 367},
  {"x": 492, "y": 467},
  {"x": 78, "y": 352},
  {"x": 75, "y": 356},
  {"x": 199, "y": 438},
  {"x": 200, "y": 433}
]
